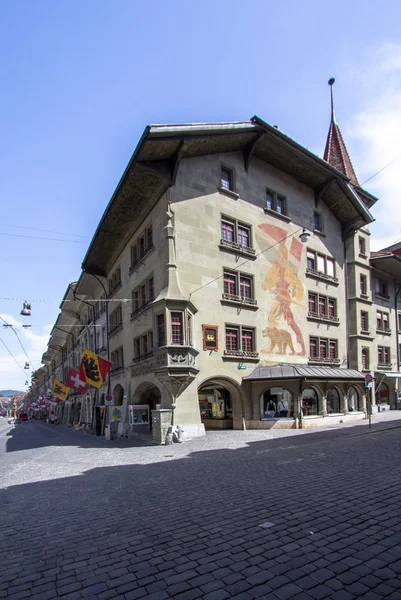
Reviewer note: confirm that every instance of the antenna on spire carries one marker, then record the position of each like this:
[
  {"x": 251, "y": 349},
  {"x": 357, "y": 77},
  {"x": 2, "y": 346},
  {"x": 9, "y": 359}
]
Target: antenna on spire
[{"x": 331, "y": 82}]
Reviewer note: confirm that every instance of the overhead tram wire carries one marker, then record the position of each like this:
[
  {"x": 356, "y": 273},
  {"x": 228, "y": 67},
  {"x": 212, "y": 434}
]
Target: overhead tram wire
[
  {"x": 33, "y": 237},
  {"x": 12, "y": 356},
  {"x": 44, "y": 230},
  {"x": 9, "y": 326}
]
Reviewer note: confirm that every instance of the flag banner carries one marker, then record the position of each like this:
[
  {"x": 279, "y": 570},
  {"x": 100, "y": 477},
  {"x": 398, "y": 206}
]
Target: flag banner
[
  {"x": 59, "y": 390},
  {"x": 75, "y": 383},
  {"x": 93, "y": 369}
]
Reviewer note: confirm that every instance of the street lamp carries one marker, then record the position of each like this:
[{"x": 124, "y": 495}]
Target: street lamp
[
  {"x": 304, "y": 236},
  {"x": 26, "y": 309}
]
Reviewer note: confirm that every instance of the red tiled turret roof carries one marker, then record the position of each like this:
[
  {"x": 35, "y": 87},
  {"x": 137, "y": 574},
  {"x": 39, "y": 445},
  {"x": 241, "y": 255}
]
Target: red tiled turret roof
[{"x": 336, "y": 153}]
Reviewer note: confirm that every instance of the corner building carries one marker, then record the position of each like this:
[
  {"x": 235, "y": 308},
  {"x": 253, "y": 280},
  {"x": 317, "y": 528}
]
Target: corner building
[{"x": 224, "y": 253}]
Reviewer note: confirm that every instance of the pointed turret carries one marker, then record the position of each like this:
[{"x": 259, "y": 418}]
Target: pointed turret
[{"x": 335, "y": 152}]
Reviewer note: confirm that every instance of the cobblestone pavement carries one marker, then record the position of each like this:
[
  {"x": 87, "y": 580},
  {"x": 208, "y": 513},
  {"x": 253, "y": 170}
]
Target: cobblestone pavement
[{"x": 244, "y": 515}]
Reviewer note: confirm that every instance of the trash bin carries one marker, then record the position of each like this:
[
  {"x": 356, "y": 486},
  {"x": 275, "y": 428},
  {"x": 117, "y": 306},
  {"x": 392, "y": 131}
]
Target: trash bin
[{"x": 107, "y": 432}]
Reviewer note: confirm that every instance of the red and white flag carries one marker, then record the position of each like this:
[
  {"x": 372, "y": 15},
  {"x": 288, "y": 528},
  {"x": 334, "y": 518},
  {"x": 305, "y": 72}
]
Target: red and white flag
[{"x": 75, "y": 383}]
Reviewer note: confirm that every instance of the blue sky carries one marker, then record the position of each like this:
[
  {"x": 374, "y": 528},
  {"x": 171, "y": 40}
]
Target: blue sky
[{"x": 81, "y": 80}]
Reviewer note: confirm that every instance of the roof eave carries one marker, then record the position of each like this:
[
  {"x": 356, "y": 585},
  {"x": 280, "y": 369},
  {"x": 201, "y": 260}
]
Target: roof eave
[{"x": 109, "y": 205}]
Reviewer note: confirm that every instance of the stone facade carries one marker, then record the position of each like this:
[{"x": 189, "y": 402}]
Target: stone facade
[{"x": 245, "y": 250}]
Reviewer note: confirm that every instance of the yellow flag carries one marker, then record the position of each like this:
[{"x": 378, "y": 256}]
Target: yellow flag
[
  {"x": 93, "y": 368},
  {"x": 59, "y": 390}
]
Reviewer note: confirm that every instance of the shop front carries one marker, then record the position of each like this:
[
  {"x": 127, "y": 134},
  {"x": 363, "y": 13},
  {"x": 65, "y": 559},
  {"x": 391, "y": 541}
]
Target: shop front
[
  {"x": 387, "y": 394},
  {"x": 291, "y": 396},
  {"x": 215, "y": 406}
]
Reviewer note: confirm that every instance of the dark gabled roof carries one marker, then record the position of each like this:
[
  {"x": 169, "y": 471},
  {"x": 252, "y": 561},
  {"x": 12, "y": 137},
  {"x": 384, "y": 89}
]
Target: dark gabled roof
[
  {"x": 153, "y": 167},
  {"x": 294, "y": 371}
]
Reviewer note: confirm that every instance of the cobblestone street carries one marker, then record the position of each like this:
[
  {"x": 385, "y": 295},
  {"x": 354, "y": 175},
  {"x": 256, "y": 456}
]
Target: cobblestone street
[{"x": 276, "y": 515}]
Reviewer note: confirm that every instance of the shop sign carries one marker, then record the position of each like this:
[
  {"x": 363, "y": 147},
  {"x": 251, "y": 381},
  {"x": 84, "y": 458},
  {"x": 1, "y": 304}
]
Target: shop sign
[{"x": 210, "y": 337}]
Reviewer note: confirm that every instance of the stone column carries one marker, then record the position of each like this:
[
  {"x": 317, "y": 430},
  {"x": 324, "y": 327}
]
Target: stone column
[
  {"x": 344, "y": 404},
  {"x": 323, "y": 411}
]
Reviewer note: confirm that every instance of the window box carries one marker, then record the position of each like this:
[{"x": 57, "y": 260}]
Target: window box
[
  {"x": 365, "y": 332},
  {"x": 383, "y": 330},
  {"x": 142, "y": 357},
  {"x": 325, "y": 361},
  {"x": 239, "y": 301},
  {"x": 323, "y": 276},
  {"x": 103, "y": 349},
  {"x": 239, "y": 354},
  {"x": 386, "y": 366},
  {"x": 237, "y": 248},
  {"x": 141, "y": 308},
  {"x": 274, "y": 213},
  {"x": 116, "y": 370},
  {"x": 364, "y": 296},
  {"x": 382, "y": 296},
  {"x": 321, "y": 317}
]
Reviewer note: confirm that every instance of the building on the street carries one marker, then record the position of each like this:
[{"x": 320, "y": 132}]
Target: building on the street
[{"x": 231, "y": 281}]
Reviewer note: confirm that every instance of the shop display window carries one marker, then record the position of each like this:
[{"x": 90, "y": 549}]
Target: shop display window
[
  {"x": 353, "y": 400},
  {"x": 215, "y": 403},
  {"x": 333, "y": 401},
  {"x": 277, "y": 403},
  {"x": 310, "y": 404}
]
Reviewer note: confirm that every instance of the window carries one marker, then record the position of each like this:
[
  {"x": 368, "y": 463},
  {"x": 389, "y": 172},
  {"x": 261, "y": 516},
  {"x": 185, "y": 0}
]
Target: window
[
  {"x": 117, "y": 359},
  {"x": 151, "y": 292},
  {"x": 363, "y": 285},
  {"x": 135, "y": 300},
  {"x": 176, "y": 328},
  {"x": 362, "y": 246},
  {"x": 236, "y": 235},
  {"x": 383, "y": 355},
  {"x": 145, "y": 344},
  {"x": 365, "y": 358},
  {"x": 240, "y": 341},
  {"x": 161, "y": 330},
  {"x": 323, "y": 349},
  {"x": 364, "y": 321},
  {"x": 238, "y": 287},
  {"x": 320, "y": 265},
  {"x": 142, "y": 295},
  {"x": 243, "y": 236},
  {"x": 115, "y": 280},
  {"x": 275, "y": 202},
  {"x": 382, "y": 321},
  {"x": 382, "y": 288},
  {"x": 399, "y": 322},
  {"x": 227, "y": 179},
  {"x": 149, "y": 237},
  {"x": 142, "y": 245},
  {"x": 317, "y": 221},
  {"x": 322, "y": 307},
  {"x": 116, "y": 318},
  {"x": 189, "y": 330}
]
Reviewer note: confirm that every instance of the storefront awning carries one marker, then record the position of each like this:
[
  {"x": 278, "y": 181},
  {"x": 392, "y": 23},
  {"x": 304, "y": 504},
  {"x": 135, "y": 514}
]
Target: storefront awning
[
  {"x": 394, "y": 375},
  {"x": 294, "y": 371}
]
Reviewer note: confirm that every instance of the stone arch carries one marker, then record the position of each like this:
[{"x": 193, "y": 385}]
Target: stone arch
[
  {"x": 312, "y": 400},
  {"x": 355, "y": 398},
  {"x": 277, "y": 401},
  {"x": 228, "y": 405},
  {"x": 118, "y": 395},
  {"x": 149, "y": 394},
  {"x": 333, "y": 399}
]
